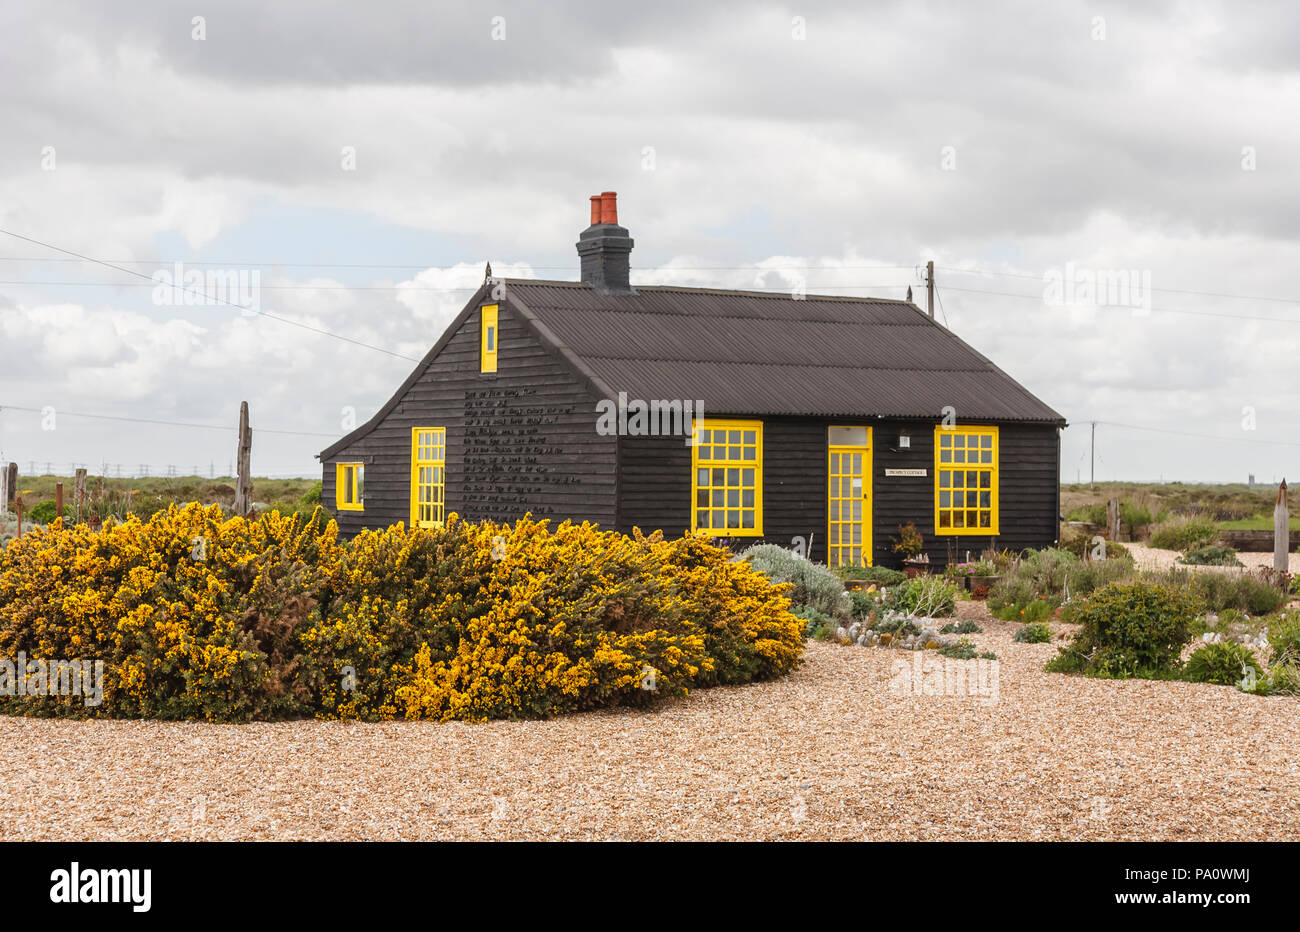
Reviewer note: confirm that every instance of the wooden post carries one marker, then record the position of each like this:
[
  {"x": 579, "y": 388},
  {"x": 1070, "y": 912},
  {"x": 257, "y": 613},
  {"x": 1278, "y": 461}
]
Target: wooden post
[
  {"x": 79, "y": 495},
  {"x": 19, "y": 505},
  {"x": 58, "y": 503},
  {"x": 4, "y": 493},
  {"x": 1281, "y": 532},
  {"x": 1112, "y": 518},
  {"x": 244, "y": 481},
  {"x": 13, "y": 485}
]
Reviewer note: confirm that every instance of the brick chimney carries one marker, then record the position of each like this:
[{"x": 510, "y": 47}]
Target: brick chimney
[{"x": 604, "y": 248}]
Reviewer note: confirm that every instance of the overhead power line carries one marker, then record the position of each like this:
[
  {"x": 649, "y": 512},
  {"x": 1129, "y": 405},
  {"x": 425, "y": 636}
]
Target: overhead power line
[
  {"x": 1185, "y": 433},
  {"x": 144, "y": 420},
  {"x": 260, "y": 313}
]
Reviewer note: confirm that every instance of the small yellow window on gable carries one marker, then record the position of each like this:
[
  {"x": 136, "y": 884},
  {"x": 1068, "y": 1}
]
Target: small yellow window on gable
[
  {"x": 966, "y": 480},
  {"x": 490, "y": 339},
  {"x": 350, "y": 486}
]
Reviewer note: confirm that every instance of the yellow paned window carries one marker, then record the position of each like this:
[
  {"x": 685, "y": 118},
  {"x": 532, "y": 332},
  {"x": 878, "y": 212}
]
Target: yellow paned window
[
  {"x": 727, "y": 478},
  {"x": 428, "y": 476},
  {"x": 350, "y": 486},
  {"x": 966, "y": 480}
]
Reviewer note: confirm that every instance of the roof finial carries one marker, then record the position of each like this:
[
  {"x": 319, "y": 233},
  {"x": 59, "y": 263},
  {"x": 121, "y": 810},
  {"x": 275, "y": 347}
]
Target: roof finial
[
  {"x": 909, "y": 294},
  {"x": 487, "y": 273}
]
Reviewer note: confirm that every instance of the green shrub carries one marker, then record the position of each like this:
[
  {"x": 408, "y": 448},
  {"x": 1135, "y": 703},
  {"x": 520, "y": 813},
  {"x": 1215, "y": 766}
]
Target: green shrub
[
  {"x": 1089, "y": 514},
  {"x": 1129, "y": 629},
  {"x": 817, "y": 625},
  {"x": 1082, "y": 546},
  {"x": 1033, "y": 634},
  {"x": 1183, "y": 533},
  {"x": 962, "y": 627},
  {"x": 897, "y": 625},
  {"x": 1133, "y": 517},
  {"x": 1284, "y": 638},
  {"x": 962, "y": 650},
  {"x": 45, "y": 512},
  {"x": 814, "y": 585},
  {"x": 880, "y": 575},
  {"x": 1033, "y": 588},
  {"x": 1211, "y": 556},
  {"x": 312, "y": 495},
  {"x": 929, "y": 596},
  {"x": 1242, "y": 591},
  {"x": 1224, "y": 664},
  {"x": 862, "y": 604}
]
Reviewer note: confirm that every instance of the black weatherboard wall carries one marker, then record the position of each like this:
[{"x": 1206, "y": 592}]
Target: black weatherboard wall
[
  {"x": 521, "y": 439},
  {"x": 655, "y": 486}
]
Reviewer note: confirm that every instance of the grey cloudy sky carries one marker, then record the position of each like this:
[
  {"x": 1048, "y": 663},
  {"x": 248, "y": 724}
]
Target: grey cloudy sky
[{"x": 1003, "y": 141}]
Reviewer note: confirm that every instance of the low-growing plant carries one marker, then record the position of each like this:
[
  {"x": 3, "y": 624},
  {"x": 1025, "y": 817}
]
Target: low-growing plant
[
  {"x": 1284, "y": 638},
  {"x": 817, "y": 625},
  {"x": 880, "y": 575},
  {"x": 965, "y": 626},
  {"x": 1183, "y": 533},
  {"x": 1134, "y": 629},
  {"x": 924, "y": 596},
  {"x": 1211, "y": 555},
  {"x": 962, "y": 650},
  {"x": 909, "y": 541},
  {"x": 1082, "y": 546},
  {"x": 813, "y": 584},
  {"x": 1038, "y": 633},
  {"x": 1225, "y": 663},
  {"x": 863, "y": 603},
  {"x": 1243, "y": 591}
]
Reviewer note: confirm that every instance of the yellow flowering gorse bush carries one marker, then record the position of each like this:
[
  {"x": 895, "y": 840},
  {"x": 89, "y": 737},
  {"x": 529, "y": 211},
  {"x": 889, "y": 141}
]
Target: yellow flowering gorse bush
[{"x": 274, "y": 617}]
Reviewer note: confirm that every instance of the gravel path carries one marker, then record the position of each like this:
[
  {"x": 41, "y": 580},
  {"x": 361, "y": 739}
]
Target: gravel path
[
  {"x": 834, "y": 751},
  {"x": 1156, "y": 559}
]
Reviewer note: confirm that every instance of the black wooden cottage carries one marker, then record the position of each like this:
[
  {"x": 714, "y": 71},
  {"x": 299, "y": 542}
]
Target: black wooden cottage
[{"x": 830, "y": 419}]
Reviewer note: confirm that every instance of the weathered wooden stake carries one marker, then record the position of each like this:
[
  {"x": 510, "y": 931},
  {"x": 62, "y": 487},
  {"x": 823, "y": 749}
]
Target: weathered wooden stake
[
  {"x": 1112, "y": 518},
  {"x": 1281, "y": 531},
  {"x": 79, "y": 495},
  {"x": 58, "y": 503},
  {"x": 244, "y": 481},
  {"x": 19, "y": 505},
  {"x": 4, "y": 492},
  {"x": 13, "y": 485}
]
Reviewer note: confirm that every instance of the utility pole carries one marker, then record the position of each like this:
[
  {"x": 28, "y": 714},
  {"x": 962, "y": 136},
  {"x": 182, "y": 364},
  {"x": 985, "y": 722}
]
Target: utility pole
[
  {"x": 929, "y": 287},
  {"x": 1092, "y": 459}
]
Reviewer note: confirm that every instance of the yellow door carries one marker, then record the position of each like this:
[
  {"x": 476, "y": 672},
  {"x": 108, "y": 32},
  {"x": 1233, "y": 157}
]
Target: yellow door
[{"x": 848, "y": 498}]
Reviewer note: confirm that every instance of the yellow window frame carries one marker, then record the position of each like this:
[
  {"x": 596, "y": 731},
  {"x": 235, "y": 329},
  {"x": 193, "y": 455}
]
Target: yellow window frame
[
  {"x": 349, "y": 486},
  {"x": 727, "y": 478},
  {"x": 839, "y": 497},
  {"x": 428, "y": 476},
  {"x": 491, "y": 338},
  {"x": 966, "y": 491}
]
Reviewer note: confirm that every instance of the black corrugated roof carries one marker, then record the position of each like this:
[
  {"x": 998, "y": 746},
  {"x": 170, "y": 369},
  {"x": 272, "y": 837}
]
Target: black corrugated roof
[{"x": 746, "y": 352}]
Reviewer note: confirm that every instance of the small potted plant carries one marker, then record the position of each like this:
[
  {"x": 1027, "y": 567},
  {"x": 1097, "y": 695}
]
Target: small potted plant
[{"x": 909, "y": 544}]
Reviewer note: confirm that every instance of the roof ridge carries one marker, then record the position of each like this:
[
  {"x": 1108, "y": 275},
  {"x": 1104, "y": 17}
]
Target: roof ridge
[
  {"x": 782, "y": 365},
  {"x": 770, "y": 295}
]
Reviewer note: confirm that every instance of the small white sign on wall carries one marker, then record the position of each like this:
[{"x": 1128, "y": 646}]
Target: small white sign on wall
[{"x": 905, "y": 472}]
